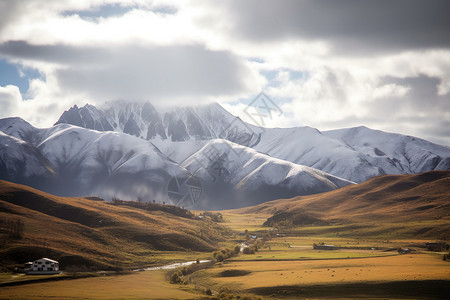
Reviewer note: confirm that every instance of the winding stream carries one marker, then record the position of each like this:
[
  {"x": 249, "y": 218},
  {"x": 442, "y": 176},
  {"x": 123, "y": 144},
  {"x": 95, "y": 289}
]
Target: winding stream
[{"x": 172, "y": 266}]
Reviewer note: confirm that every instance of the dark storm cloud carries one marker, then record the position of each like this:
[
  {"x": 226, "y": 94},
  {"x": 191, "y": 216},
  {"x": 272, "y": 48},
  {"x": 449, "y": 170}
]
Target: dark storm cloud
[
  {"x": 61, "y": 54},
  {"x": 8, "y": 12},
  {"x": 422, "y": 109},
  {"x": 421, "y": 112},
  {"x": 352, "y": 26},
  {"x": 422, "y": 97},
  {"x": 132, "y": 72},
  {"x": 436, "y": 131}
]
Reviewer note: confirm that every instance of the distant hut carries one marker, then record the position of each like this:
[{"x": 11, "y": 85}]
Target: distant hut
[
  {"x": 25, "y": 268},
  {"x": 44, "y": 266},
  {"x": 28, "y": 266}
]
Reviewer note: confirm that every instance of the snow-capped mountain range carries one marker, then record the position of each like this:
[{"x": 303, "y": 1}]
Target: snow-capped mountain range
[
  {"x": 72, "y": 161},
  {"x": 355, "y": 154},
  {"x": 179, "y": 124},
  {"x": 232, "y": 174},
  {"x": 132, "y": 150}
]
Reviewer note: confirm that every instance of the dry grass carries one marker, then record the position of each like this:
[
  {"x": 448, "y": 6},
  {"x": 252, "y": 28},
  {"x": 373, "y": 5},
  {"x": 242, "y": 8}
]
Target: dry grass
[
  {"x": 273, "y": 274},
  {"x": 239, "y": 222},
  {"x": 141, "y": 285},
  {"x": 392, "y": 268},
  {"x": 386, "y": 212},
  {"x": 78, "y": 231},
  {"x": 389, "y": 198}
]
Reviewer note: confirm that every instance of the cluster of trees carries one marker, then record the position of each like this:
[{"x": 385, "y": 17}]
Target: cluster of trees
[
  {"x": 283, "y": 224},
  {"x": 223, "y": 254},
  {"x": 153, "y": 206},
  {"x": 250, "y": 250},
  {"x": 216, "y": 217},
  {"x": 177, "y": 275},
  {"x": 258, "y": 244}
]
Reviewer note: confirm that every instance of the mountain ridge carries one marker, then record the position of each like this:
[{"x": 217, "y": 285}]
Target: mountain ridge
[
  {"x": 94, "y": 233},
  {"x": 332, "y": 151},
  {"x": 146, "y": 149},
  {"x": 68, "y": 160},
  {"x": 252, "y": 176}
]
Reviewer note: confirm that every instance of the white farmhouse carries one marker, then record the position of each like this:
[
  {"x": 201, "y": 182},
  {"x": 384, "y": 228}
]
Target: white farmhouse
[{"x": 44, "y": 266}]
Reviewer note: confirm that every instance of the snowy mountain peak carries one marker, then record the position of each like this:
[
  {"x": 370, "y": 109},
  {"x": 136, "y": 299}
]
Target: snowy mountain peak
[
  {"x": 178, "y": 124},
  {"x": 252, "y": 176},
  {"x": 15, "y": 126},
  {"x": 132, "y": 150},
  {"x": 355, "y": 154}
]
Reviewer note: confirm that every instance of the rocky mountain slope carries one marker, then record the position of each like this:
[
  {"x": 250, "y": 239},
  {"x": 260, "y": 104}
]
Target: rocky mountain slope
[
  {"x": 68, "y": 160},
  {"x": 355, "y": 154},
  {"x": 133, "y": 150},
  {"x": 179, "y": 124},
  {"x": 252, "y": 177}
]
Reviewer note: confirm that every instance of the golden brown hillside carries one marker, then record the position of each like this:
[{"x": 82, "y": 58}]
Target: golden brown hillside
[
  {"x": 383, "y": 199},
  {"x": 93, "y": 233}
]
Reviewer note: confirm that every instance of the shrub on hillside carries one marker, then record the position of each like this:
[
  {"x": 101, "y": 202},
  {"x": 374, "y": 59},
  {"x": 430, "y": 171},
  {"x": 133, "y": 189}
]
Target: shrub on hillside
[
  {"x": 216, "y": 217},
  {"x": 248, "y": 250},
  {"x": 176, "y": 277}
]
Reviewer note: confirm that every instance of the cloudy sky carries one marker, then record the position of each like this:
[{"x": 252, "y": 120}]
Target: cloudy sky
[{"x": 329, "y": 64}]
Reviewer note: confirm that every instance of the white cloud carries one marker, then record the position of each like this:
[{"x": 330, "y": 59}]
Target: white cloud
[
  {"x": 390, "y": 90},
  {"x": 355, "y": 68},
  {"x": 10, "y": 100}
]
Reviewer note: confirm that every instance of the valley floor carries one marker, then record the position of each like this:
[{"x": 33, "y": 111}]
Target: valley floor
[
  {"x": 141, "y": 285},
  {"x": 409, "y": 276},
  {"x": 297, "y": 278},
  {"x": 285, "y": 267}
]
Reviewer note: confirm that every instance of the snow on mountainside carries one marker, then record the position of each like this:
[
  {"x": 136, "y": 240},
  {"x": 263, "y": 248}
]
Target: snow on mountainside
[
  {"x": 69, "y": 160},
  {"x": 19, "y": 161},
  {"x": 409, "y": 154},
  {"x": 179, "y": 151},
  {"x": 252, "y": 176},
  {"x": 355, "y": 154},
  {"x": 310, "y": 147},
  {"x": 180, "y": 124}
]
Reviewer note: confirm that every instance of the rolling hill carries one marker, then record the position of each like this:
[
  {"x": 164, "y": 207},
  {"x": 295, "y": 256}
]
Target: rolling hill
[
  {"x": 423, "y": 199},
  {"x": 95, "y": 233}
]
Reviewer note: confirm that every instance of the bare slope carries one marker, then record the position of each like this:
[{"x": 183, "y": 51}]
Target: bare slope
[
  {"x": 389, "y": 198},
  {"x": 93, "y": 233}
]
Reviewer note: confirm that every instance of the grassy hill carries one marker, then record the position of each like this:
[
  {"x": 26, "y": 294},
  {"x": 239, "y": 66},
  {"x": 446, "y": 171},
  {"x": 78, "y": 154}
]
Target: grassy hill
[
  {"x": 417, "y": 204},
  {"x": 93, "y": 233}
]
